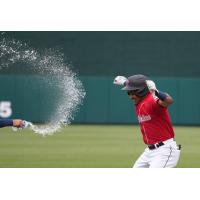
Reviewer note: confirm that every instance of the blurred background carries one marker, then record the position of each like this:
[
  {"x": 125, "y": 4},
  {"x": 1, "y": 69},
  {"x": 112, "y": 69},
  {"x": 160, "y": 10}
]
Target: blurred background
[{"x": 171, "y": 59}]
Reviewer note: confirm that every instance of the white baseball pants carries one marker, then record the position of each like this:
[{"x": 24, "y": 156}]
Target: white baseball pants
[{"x": 165, "y": 156}]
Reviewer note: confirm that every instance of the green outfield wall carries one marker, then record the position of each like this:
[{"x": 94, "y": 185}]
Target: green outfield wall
[
  {"x": 171, "y": 59},
  {"x": 104, "y": 102},
  {"x": 107, "y": 53}
]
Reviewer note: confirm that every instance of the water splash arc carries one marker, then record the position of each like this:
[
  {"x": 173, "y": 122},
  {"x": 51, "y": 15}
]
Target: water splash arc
[{"x": 47, "y": 63}]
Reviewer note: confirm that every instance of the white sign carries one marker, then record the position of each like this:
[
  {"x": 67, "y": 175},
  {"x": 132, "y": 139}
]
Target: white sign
[{"x": 5, "y": 109}]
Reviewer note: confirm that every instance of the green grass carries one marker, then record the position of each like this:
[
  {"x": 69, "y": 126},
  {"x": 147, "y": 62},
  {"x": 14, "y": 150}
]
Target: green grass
[{"x": 91, "y": 146}]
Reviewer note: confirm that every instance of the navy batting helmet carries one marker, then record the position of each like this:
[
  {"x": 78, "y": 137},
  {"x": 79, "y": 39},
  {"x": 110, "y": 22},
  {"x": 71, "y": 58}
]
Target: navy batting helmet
[{"x": 137, "y": 84}]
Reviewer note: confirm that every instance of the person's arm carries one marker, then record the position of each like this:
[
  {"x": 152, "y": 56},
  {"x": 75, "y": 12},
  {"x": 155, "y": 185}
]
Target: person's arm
[
  {"x": 11, "y": 122},
  {"x": 164, "y": 99}
]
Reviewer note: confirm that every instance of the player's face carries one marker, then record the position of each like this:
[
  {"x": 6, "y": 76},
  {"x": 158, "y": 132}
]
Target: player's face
[{"x": 133, "y": 97}]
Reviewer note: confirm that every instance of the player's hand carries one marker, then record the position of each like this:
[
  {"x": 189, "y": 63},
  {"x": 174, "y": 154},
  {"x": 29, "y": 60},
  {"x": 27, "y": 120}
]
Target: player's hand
[
  {"x": 151, "y": 85},
  {"x": 120, "y": 80},
  {"x": 17, "y": 123}
]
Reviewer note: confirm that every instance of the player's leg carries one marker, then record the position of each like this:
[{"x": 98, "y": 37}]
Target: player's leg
[
  {"x": 165, "y": 157},
  {"x": 174, "y": 157},
  {"x": 142, "y": 161}
]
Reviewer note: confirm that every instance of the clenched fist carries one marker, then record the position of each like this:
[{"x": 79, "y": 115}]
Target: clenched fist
[{"x": 120, "y": 80}]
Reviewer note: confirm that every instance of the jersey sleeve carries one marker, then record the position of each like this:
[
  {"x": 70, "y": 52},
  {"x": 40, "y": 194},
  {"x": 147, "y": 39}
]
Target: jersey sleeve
[{"x": 6, "y": 122}]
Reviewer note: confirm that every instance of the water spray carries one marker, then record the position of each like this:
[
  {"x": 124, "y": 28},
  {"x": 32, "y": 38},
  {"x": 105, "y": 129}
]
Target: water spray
[{"x": 49, "y": 62}]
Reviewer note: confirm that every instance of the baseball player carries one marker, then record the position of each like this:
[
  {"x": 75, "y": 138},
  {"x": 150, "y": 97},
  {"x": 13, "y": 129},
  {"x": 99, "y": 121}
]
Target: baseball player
[
  {"x": 152, "y": 113},
  {"x": 18, "y": 123}
]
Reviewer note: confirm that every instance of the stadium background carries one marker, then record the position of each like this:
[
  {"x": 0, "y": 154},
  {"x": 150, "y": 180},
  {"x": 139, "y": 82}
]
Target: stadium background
[{"x": 169, "y": 58}]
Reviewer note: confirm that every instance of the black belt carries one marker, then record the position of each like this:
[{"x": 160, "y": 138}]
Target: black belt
[{"x": 155, "y": 146}]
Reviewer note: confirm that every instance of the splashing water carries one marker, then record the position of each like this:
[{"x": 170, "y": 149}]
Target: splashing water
[{"x": 49, "y": 63}]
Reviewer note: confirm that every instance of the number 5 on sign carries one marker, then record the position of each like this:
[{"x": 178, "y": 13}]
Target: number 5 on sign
[{"x": 5, "y": 109}]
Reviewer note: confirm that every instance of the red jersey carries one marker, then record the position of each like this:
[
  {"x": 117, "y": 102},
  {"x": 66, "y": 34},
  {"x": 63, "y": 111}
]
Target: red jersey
[{"x": 154, "y": 121}]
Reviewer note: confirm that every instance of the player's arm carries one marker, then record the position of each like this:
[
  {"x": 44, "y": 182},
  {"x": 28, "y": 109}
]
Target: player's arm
[
  {"x": 164, "y": 99},
  {"x": 11, "y": 122}
]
